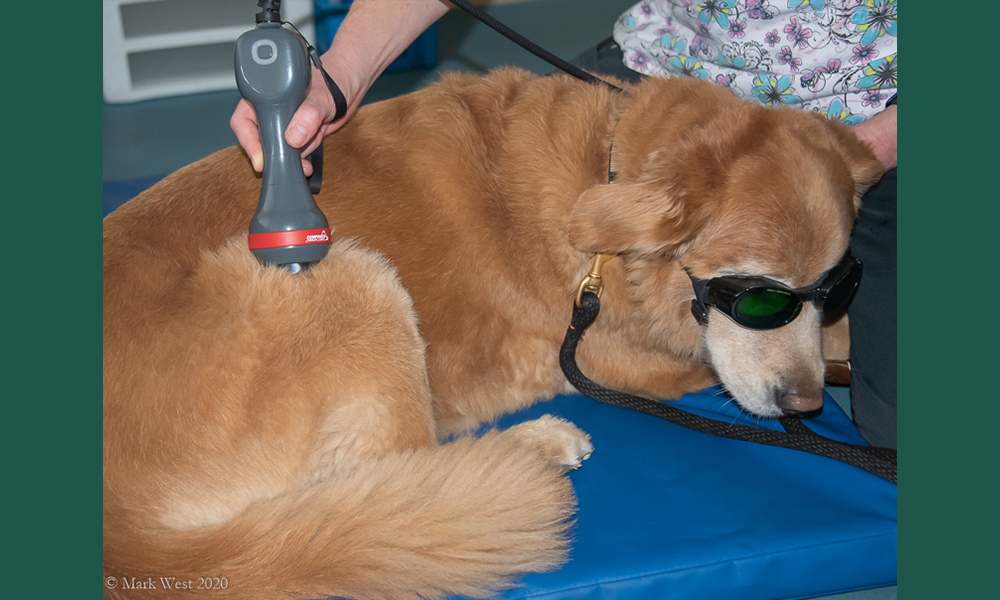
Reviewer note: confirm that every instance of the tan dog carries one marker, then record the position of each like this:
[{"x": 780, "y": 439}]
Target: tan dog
[{"x": 270, "y": 435}]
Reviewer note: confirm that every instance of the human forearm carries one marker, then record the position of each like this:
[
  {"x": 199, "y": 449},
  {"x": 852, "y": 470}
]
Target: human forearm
[
  {"x": 879, "y": 132},
  {"x": 373, "y": 34}
]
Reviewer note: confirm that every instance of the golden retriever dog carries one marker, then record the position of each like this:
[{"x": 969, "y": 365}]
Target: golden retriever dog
[{"x": 279, "y": 435}]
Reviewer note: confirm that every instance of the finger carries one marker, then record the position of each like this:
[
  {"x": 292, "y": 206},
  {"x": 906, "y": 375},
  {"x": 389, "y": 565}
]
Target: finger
[
  {"x": 244, "y": 125},
  {"x": 314, "y": 143},
  {"x": 305, "y": 124}
]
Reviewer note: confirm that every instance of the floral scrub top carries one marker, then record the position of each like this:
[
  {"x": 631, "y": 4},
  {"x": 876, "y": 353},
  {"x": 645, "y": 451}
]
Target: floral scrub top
[{"x": 836, "y": 57}]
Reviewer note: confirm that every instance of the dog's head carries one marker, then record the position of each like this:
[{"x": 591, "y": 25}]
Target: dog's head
[{"x": 728, "y": 188}]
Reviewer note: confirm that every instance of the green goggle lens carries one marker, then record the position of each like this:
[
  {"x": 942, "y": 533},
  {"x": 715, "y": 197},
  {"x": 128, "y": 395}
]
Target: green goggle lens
[{"x": 765, "y": 308}]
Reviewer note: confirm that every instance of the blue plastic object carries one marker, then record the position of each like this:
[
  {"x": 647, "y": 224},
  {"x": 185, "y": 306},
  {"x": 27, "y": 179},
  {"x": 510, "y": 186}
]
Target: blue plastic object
[
  {"x": 665, "y": 512},
  {"x": 421, "y": 54}
]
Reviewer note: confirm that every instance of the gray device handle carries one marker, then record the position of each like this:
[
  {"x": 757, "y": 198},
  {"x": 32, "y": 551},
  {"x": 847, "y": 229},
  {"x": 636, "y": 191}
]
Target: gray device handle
[{"x": 273, "y": 75}]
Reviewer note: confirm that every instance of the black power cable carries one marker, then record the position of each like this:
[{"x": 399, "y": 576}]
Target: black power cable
[{"x": 530, "y": 46}]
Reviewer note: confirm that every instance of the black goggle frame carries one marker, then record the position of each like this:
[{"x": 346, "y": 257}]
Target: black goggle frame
[{"x": 725, "y": 293}]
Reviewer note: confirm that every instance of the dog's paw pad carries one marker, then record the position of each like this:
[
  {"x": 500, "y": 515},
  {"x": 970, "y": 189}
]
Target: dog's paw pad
[{"x": 558, "y": 439}]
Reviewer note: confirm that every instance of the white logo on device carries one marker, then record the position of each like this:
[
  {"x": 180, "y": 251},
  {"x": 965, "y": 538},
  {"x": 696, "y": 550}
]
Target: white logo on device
[{"x": 264, "y": 58}]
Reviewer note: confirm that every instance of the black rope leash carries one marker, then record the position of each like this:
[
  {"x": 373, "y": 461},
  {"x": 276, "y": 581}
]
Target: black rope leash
[{"x": 878, "y": 461}]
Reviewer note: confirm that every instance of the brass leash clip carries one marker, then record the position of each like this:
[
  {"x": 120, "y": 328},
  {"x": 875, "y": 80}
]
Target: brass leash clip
[{"x": 593, "y": 282}]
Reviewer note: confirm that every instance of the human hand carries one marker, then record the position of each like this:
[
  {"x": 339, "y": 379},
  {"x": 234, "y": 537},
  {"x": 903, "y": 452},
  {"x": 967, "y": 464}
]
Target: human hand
[
  {"x": 879, "y": 132},
  {"x": 371, "y": 36},
  {"x": 306, "y": 129}
]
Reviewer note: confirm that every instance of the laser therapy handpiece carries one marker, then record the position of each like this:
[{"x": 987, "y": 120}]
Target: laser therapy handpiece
[{"x": 273, "y": 75}]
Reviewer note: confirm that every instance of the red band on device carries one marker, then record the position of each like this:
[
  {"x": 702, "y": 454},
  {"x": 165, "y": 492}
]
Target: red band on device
[{"x": 280, "y": 239}]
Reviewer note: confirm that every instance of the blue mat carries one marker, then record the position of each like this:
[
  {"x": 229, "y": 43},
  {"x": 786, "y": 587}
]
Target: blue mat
[{"x": 669, "y": 513}]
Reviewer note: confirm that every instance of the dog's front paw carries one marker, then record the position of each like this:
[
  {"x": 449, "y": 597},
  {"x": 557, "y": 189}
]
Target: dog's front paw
[{"x": 559, "y": 440}]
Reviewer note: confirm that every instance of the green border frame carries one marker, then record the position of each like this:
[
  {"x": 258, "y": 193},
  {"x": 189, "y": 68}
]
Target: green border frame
[
  {"x": 53, "y": 427},
  {"x": 52, "y": 216},
  {"x": 947, "y": 411}
]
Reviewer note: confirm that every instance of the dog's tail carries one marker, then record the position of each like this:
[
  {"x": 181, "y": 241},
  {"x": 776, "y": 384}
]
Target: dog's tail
[{"x": 460, "y": 518}]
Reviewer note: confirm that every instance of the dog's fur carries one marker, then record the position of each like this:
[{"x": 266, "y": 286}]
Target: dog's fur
[{"x": 282, "y": 431}]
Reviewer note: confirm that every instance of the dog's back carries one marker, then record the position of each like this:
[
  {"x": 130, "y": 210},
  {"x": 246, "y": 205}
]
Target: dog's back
[{"x": 464, "y": 186}]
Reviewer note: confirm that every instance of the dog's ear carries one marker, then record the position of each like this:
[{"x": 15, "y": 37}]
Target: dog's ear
[{"x": 645, "y": 217}]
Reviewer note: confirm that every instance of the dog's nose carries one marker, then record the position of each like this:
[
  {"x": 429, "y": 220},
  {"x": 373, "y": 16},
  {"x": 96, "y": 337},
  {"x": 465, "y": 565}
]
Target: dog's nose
[{"x": 803, "y": 402}]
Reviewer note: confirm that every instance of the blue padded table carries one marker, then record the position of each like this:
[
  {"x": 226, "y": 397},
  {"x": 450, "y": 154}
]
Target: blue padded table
[{"x": 670, "y": 513}]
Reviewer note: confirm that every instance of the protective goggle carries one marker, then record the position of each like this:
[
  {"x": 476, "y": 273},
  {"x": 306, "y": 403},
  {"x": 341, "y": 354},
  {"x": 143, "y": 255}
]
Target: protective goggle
[{"x": 763, "y": 303}]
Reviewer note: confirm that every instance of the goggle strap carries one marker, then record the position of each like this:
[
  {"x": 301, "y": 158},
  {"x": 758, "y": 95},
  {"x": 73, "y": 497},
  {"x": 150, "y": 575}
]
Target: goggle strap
[{"x": 698, "y": 307}]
